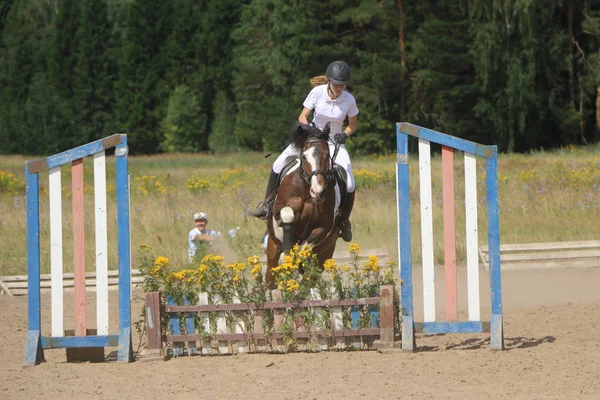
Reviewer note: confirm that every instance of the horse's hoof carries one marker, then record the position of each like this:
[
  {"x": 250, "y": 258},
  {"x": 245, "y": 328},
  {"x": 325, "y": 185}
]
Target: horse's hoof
[{"x": 346, "y": 231}]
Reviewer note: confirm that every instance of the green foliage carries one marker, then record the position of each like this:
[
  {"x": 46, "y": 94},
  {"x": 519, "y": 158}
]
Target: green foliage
[
  {"x": 519, "y": 74},
  {"x": 184, "y": 122},
  {"x": 142, "y": 88},
  {"x": 222, "y": 137}
]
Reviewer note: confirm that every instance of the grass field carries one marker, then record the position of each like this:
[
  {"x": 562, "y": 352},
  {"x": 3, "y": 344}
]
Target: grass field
[{"x": 544, "y": 196}]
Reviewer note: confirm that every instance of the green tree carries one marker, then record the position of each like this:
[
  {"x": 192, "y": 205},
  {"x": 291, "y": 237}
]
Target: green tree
[
  {"x": 280, "y": 46},
  {"x": 95, "y": 73},
  {"x": 142, "y": 89},
  {"x": 184, "y": 122},
  {"x": 24, "y": 82},
  {"x": 222, "y": 137},
  {"x": 519, "y": 57},
  {"x": 443, "y": 91},
  {"x": 367, "y": 37}
]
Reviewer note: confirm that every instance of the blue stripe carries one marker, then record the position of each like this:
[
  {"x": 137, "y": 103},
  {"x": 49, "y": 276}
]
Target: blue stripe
[
  {"x": 451, "y": 327},
  {"x": 447, "y": 140},
  {"x": 125, "y": 353},
  {"x": 491, "y": 170},
  {"x": 175, "y": 327},
  {"x": 80, "y": 341},
  {"x": 33, "y": 251},
  {"x": 404, "y": 239},
  {"x": 33, "y": 347}
]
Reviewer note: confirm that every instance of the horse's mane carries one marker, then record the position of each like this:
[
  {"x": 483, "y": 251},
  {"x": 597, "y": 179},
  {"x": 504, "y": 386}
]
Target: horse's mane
[{"x": 301, "y": 132}]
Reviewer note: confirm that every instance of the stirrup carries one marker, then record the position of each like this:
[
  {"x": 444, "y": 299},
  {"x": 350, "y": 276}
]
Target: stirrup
[
  {"x": 346, "y": 233},
  {"x": 261, "y": 211}
]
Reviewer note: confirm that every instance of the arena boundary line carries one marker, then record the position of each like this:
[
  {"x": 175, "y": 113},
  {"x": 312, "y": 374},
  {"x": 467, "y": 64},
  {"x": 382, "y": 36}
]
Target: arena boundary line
[
  {"x": 430, "y": 325},
  {"x": 36, "y": 342}
]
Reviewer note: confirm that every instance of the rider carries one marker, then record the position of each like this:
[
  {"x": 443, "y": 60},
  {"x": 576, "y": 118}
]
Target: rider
[{"x": 330, "y": 103}]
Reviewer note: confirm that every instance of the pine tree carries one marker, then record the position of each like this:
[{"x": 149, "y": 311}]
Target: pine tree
[
  {"x": 280, "y": 46},
  {"x": 520, "y": 57},
  {"x": 142, "y": 89},
  {"x": 95, "y": 72},
  {"x": 443, "y": 91}
]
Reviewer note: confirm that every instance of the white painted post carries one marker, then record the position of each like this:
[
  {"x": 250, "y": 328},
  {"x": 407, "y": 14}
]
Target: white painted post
[
  {"x": 56, "y": 251},
  {"x": 101, "y": 243},
  {"x": 427, "y": 230},
  {"x": 472, "y": 237},
  {"x": 203, "y": 301}
]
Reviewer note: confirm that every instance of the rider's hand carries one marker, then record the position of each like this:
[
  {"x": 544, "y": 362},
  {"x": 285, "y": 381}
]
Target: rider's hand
[{"x": 340, "y": 138}]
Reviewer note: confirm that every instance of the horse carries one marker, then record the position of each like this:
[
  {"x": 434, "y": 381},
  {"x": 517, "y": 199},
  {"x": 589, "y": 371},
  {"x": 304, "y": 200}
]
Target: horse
[{"x": 304, "y": 210}]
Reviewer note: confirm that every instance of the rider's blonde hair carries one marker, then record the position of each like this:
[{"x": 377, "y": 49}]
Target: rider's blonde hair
[{"x": 319, "y": 80}]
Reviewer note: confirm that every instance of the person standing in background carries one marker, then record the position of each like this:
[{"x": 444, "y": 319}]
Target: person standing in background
[{"x": 200, "y": 239}]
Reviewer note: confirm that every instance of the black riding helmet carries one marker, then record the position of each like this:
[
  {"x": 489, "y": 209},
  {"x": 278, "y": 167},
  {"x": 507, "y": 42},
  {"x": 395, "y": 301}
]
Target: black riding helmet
[{"x": 338, "y": 73}]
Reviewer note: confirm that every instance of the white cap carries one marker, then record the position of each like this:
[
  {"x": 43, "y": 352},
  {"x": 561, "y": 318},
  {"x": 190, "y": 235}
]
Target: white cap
[{"x": 200, "y": 215}]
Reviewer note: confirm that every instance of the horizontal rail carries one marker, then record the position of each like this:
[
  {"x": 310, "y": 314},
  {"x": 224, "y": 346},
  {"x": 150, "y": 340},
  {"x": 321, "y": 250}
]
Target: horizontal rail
[
  {"x": 50, "y": 342},
  {"x": 274, "y": 335},
  {"x": 274, "y": 305},
  {"x": 586, "y": 244},
  {"x": 17, "y": 285},
  {"x": 549, "y": 255}
]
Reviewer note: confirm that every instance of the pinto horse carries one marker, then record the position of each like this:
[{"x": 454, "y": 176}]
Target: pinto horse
[{"x": 304, "y": 211}]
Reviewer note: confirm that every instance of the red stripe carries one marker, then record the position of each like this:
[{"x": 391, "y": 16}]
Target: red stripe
[{"x": 78, "y": 247}]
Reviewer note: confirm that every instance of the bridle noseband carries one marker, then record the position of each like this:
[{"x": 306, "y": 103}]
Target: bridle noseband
[{"x": 327, "y": 174}]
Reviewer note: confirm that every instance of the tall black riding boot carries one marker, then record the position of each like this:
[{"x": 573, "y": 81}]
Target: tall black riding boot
[
  {"x": 345, "y": 211},
  {"x": 263, "y": 209}
]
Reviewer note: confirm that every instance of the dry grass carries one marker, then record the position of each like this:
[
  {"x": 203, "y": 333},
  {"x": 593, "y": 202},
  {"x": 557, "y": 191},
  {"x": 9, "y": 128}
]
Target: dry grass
[{"x": 543, "y": 197}]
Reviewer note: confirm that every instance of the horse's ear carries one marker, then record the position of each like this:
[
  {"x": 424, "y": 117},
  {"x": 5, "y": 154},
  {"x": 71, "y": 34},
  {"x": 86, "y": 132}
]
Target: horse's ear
[{"x": 326, "y": 129}]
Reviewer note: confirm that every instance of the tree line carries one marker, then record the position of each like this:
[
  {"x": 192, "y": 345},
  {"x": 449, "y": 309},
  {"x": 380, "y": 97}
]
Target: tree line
[{"x": 230, "y": 75}]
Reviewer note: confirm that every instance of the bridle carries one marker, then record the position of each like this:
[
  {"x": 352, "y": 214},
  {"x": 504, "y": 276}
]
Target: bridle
[{"x": 327, "y": 174}]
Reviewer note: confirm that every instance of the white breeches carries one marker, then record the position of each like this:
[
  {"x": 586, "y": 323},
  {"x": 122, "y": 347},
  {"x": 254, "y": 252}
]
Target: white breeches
[{"x": 342, "y": 159}]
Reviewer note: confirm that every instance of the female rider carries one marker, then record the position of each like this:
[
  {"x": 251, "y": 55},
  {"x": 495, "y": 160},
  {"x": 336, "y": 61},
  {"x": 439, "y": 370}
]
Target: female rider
[{"x": 330, "y": 103}]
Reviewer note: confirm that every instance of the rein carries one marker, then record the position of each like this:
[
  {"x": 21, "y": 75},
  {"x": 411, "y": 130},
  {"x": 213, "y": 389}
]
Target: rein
[{"x": 329, "y": 176}]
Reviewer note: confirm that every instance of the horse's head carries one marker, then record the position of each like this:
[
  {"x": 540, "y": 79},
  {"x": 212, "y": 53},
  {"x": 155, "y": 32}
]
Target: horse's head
[{"x": 314, "y": 153}]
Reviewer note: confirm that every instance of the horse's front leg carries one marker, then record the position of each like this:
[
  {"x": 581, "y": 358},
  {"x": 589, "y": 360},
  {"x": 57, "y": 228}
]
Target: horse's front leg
[
  {"x": 315, "y": 235},
  {"x": 273, "y": 253}
]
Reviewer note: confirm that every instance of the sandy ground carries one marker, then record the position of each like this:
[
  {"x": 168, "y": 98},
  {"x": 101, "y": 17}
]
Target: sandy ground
[{"x": 552, "y": 320}]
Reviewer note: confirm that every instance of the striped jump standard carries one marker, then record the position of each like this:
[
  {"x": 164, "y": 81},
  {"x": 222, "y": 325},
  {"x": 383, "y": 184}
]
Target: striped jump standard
[
  {"x": 471, "y": 150},
  {"x": 81, "y": 338}
]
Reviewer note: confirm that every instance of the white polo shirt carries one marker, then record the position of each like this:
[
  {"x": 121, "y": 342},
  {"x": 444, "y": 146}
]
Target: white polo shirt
[
  {"x": 192, "y": 243},
  {"x": 333, "y": 111}
]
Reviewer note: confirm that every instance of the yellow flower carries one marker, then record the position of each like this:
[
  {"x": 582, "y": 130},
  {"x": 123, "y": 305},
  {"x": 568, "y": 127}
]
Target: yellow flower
[
  {"x": 292, "y": 285},
  {"x": 354, "y": 248},
  {"x": 155, "y": 270},
  {"x": 161, "y": 261},
  {"x": 256, "y": 270},
  {"x": 254, "y": 260},
  {"x": 372, "y": 264},
  {"x": 329, "y": 265},
  {"x": 304, "y": 254}
]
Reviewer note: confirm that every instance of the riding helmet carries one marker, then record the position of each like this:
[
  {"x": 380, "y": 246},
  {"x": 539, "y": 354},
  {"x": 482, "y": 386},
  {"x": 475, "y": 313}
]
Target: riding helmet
[{"x": 338, "y": 73}]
